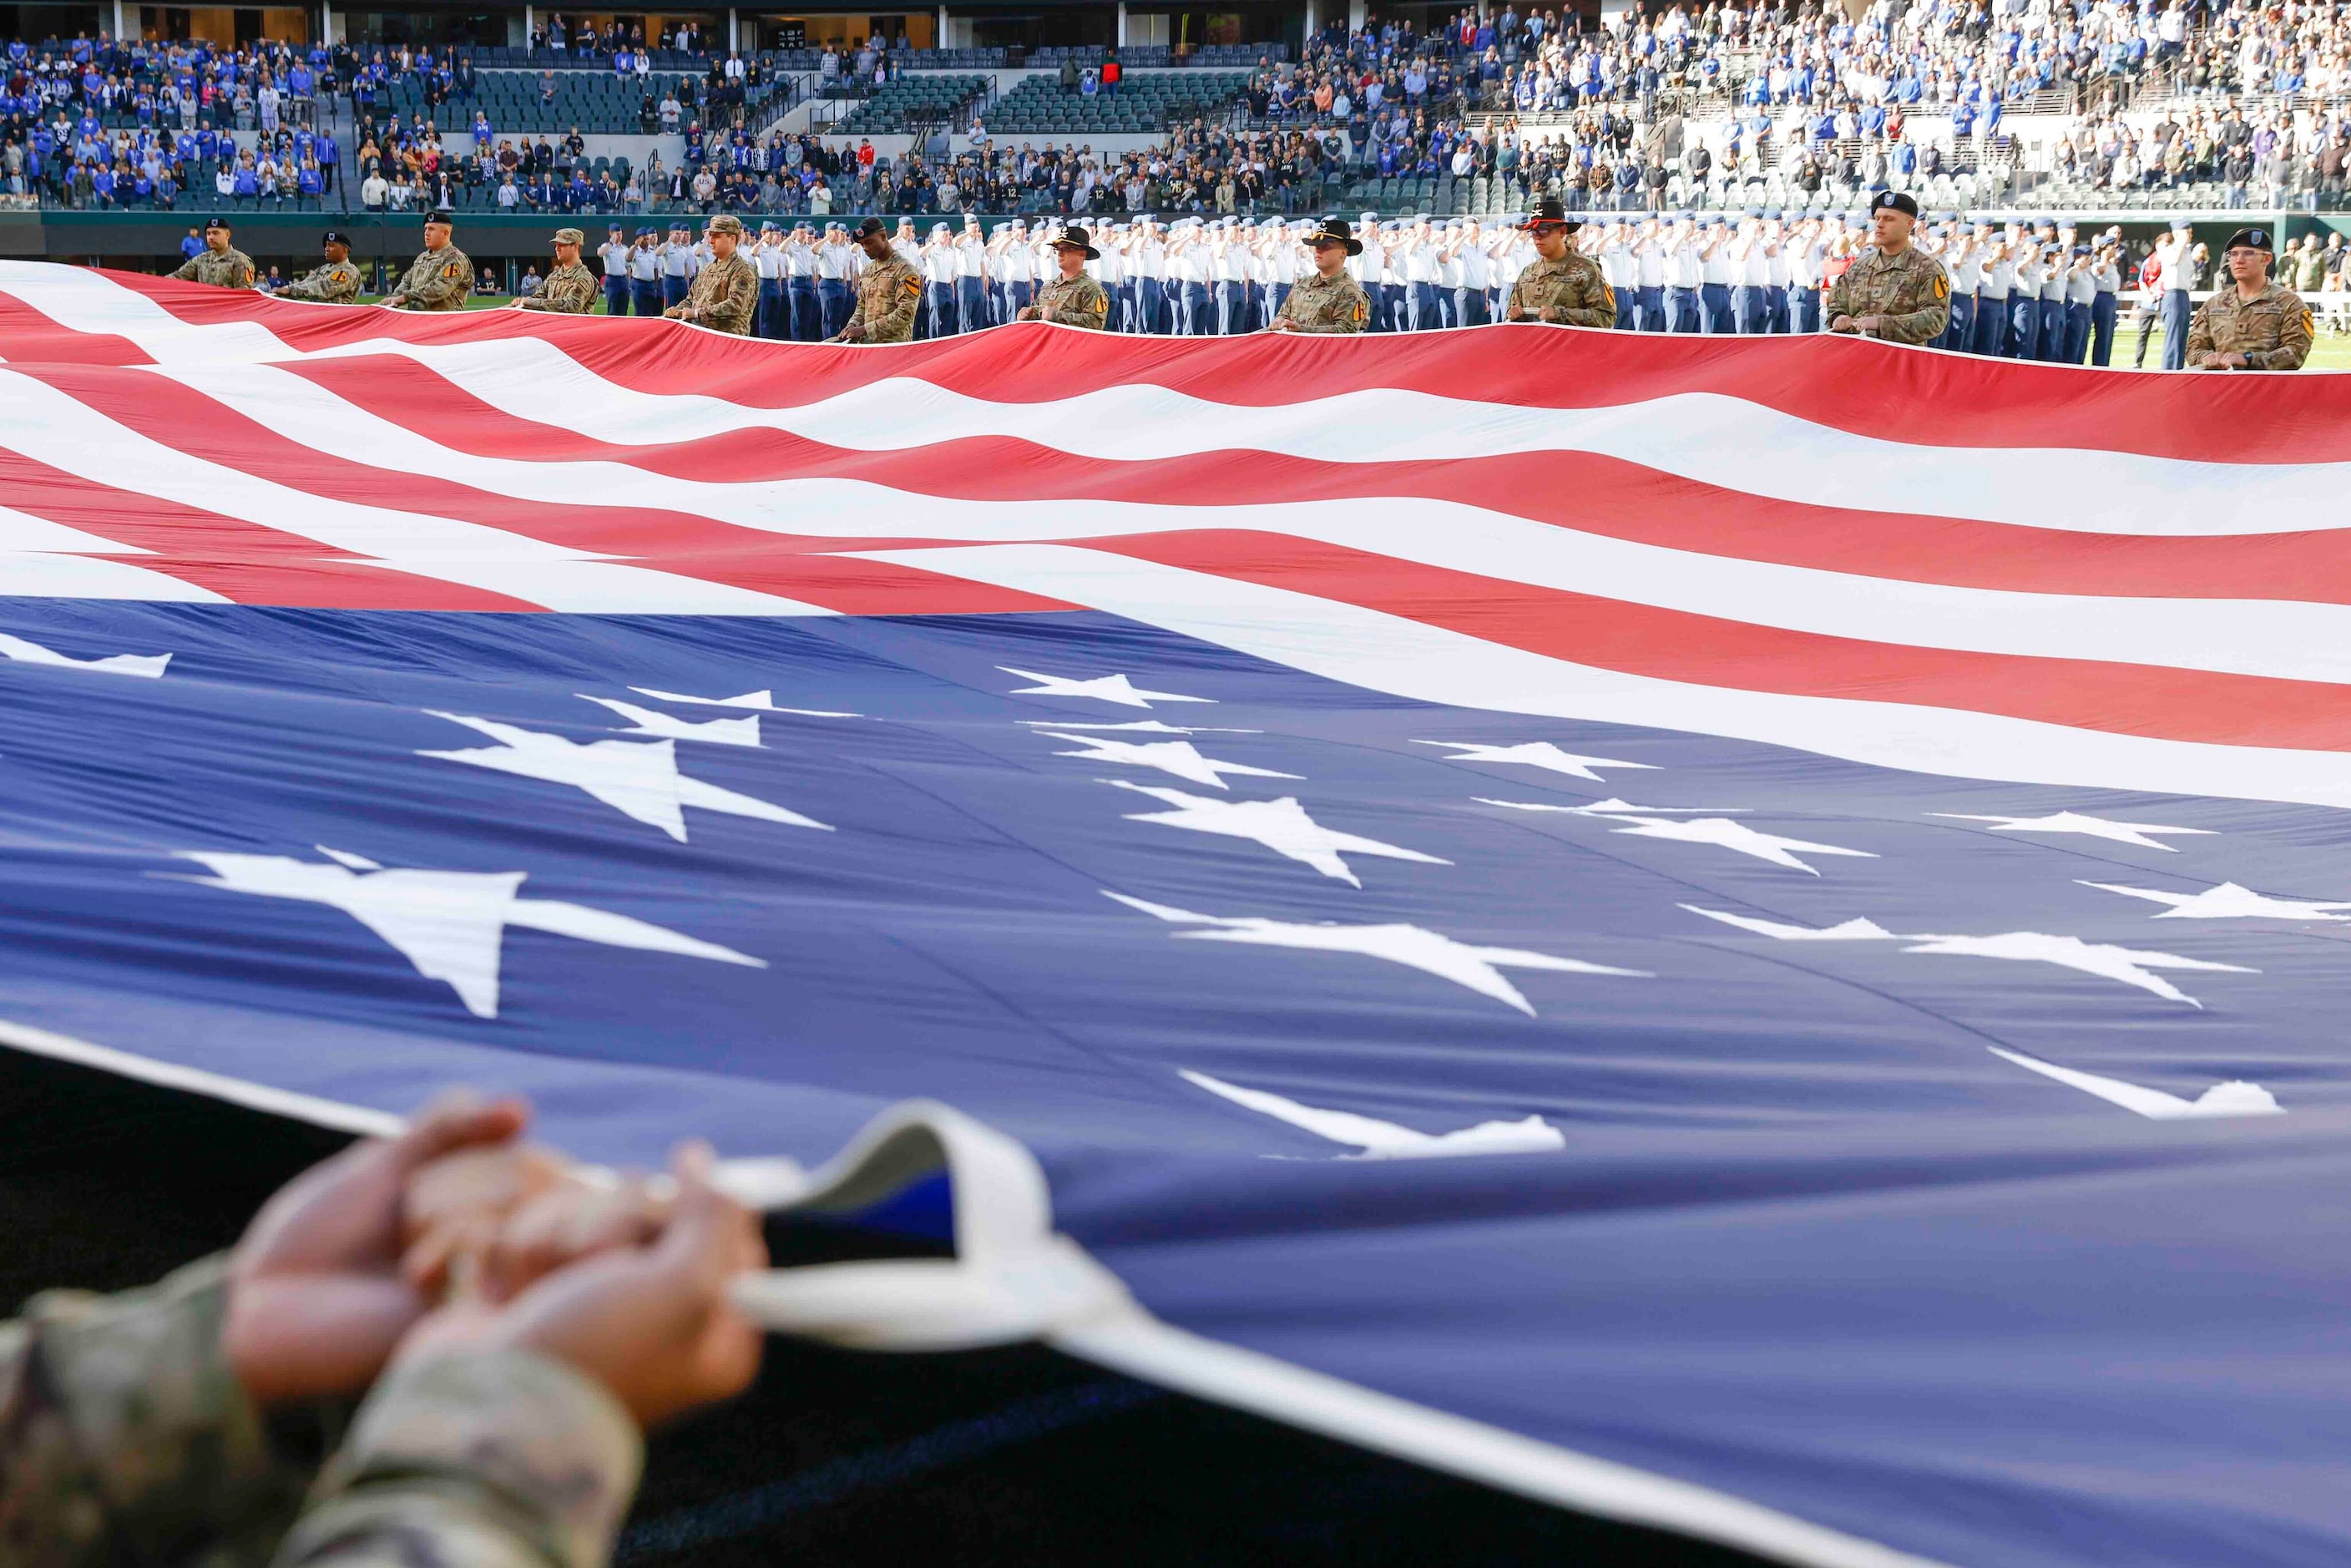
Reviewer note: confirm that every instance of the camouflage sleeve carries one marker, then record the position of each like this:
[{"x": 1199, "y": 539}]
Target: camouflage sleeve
[
  {"x": 443, "y": 284},
  {"x": 323, "y": 285},
  {"x": 2293, "y": 341},
  {"x": 245, "y": 273},
  {"x": 1597, "y": 307},
  {"x": 565, "y": 294},
  {"x": 899, "y": 324},
  {"x": 495, "y": 1459},
  {"x": 1837, "y": 302},
  {"x": 1924, "y": 324},
  {"x": 1085, "y": 308},
  {"x": 124, "y": 1434},
  {"x": 187, "y": 272},
  {"x": 2200, "y": 333},
  {"x": 737, "y": 307}
]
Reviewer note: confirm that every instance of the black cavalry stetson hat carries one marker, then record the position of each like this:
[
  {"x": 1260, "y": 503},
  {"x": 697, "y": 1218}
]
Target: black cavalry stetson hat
[
  {"x": 1549, "y": 210},
  {"x": 1335, "y": 231},
  {"x": 1077, "y": 239}
]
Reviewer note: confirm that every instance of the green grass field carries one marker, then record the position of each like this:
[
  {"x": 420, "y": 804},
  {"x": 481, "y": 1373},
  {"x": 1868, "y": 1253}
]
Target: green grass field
[{"x": 2329, "y": 354}]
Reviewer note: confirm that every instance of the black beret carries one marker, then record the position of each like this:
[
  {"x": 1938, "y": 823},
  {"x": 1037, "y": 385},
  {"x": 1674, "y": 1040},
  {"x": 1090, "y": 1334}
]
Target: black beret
[
  {"x": 335, "y": 237},
  {"x": 1900, "y": 201},
  {"x": 2253, "y": 240},
  {"x": 220, "y": 224},
  {"x": 870, "y": 226},
  {"x": 439, "y": 216}
]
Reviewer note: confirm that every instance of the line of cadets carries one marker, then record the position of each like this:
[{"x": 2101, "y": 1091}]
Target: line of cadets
[{"x": 2018, "y": 292}]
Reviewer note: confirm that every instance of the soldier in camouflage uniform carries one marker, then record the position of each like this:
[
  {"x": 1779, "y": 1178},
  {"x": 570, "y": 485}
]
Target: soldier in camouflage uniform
[
  {"x": 185, "y": 1424},
  {"x": 441, "y": 275},
  {"x": 571, "y": 289},
  {"x": 1564, "y": 286},
  {"x": 725, "y": 292},
  {"x": 220, "y": 264},
  {"x": 1893, "y": 290},
  {"x": 2253, "y": 324},
  {"x": 1331, "y": 303},
  {"x": 336, "y": 283},
  {"x": 1074, "y": 299},
  {"x": 888, "y": 291}
]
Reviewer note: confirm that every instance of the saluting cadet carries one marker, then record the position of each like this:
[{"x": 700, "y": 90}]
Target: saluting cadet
[
  {"x": 2254, "y": 324},
  {"x": 336, "y": 283},
  {"x": 2081, "y": 302},
  {"x": 1110, "y": 271},
  {"x": 220, "y": 264},
  {"x": 803, "y": 316},
  {"x": 613, "y": 255},
  {"x": 1893, "y": 290},
  {"x": 1775, "y": 286},
  {"x": 678, "y": 265},
  {"x": 2181, "y": 273},
  {"x": 1072, "y": 299},
  {"x": 971, "y": 276},
  {"x": 1331, "y": 303},
  {"x": 1802, "y": 252},
  {"x": 1649, "y": 274},
  {"x": 2106, "y": 277},
  {"x": 767, "y": 260},
  {"x": 1750, "y": 273},
  {"x": 2024, "y": 303},
  {"x": 1364, "y": 263},
  {"x": 836, "y": 264},
  {"x": 1620, "y": 272},
  {"x": 726, "y": 293},
  {"x": 888, "y": 290},
  {"x": 1992, "y": 300},
  {"x": 1015, "y": 266},
  {"x": 644, "y": 274},
  {"x": 1150, "y": 256},
  {"x": 1188, "y": 262},
  {"x": 441, "y": 275},
  {"x": 569, "y": 288},
  {"x": 1563, "y": 287},
  {"x": 1477, "y": 276},
  {"x": 1715, "y": 266},
  {"x": 1963, "y": 264},
  {"x": 1684, "y": 275},
  {"x": 2054, "y": 286}
]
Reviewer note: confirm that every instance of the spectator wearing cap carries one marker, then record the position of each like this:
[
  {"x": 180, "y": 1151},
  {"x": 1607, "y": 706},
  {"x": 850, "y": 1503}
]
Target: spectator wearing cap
[
  {"x": 1331, "y": 303},
  {"x": 888, "y": 290},
  {"x": 775, "y": 307},
  {"x": 569, "y": 288},
  {"x": 441, "y": 275},
  {"x": 1894, "y": 290},
  {"x": 2254, "y": 324},
  {"x": 220, "y": 262},
  {"x": 337, "y": 282},
  {"x": 1072, "y": 299},
  {"x": 1562, "y": 287},
  {"x": 644, "y": 273}
]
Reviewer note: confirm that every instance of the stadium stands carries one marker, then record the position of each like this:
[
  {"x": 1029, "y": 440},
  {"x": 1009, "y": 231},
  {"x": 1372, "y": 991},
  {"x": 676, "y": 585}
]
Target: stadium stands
[
  {"x": 1146, "y": 102},
  {"x": 912, "y": 100}
]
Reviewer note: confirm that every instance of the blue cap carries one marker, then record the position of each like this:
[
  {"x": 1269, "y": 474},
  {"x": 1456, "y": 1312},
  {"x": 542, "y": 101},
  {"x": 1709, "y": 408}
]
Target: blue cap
[
  {"x": 2181, "y": 226},
  {"x": 1772, "y": 214}
]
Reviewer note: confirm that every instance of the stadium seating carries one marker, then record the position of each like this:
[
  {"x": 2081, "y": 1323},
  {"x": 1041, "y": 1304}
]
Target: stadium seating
[
  {"x": 911, "y": 98},
  {"x": 1143, "y": 103},
  {"x": 605, "y": 105}
]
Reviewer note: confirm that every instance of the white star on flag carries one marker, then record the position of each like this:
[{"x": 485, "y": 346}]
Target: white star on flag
[
  {"x": 2130, "y": 965},
  {"x": 2234, "y": 1098},
  {"x": 1377, "y": 1140},
  {"x": 2227, "y": 902},
  {"x": 1139, "y": 727},
  {"x": 1533, "y": 754},
  {"x": 1613, "y": 807},
  {"x": 2075, "y": 822},
  {"x": 1281, "y": 826},
  {"x": 638, "y": 778},
  {"x": 450, "y": 924},
  {"x": 1432, "y": 953},
  {"x": 25, "y": 651},
  {"x": 1719, "y": 831},
  {"x": 668, "y": 727},
  {"x": 1179, "y": 757},
  {"x": 763, "y": 702},
  {"x": 1102, "y": 688}
]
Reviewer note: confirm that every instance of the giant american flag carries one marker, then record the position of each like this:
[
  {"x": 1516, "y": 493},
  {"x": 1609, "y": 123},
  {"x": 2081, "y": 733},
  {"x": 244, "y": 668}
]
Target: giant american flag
[{"x": 1749, "y": 934}]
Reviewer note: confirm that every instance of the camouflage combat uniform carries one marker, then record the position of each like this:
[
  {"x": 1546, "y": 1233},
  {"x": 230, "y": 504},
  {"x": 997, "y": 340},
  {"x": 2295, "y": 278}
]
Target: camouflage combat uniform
[
  {"x": 724, "y": 296},
  {"x": 887, "y": 293},
  {"x": 1325, "y": 305},
  {"x": 1073, "y": 302},
  {"x": 230, "y": 268},
  {"x": 437, "y": 280},
  {"x": 126, "y": 1437},
  {"x": 1570, "y": 289},
  {"x": 336, "y": 283},
  {"x": 1911, "y": 291},
  {"x": 2271, "y": 329},
  {"x": 567, "y": 291}
]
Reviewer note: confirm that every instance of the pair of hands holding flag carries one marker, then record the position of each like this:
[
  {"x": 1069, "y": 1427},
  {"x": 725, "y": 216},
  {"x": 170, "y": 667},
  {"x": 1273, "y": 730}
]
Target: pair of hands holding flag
[{"x": 456, "y": 1235}]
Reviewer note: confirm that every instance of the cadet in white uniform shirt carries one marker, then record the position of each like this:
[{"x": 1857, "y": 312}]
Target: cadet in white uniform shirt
[
  {"x": 1477, "y": 276},
  {"x": 1229, "y": 272},
  {"x": 1649, "y": 276},
  {"x": 1015, "y": 262},
  {"x": 645, "y": 275},
  {"x": 971, "y": 277},
  {"x": 775, "y": 313},
  {"x": 1618, "y": 270},
  {"x": 1110, "y": 271},
  {"x": 836, "y": 264},
  {"x": 1151, "y": 279},
  {"x": 1418, "y": 275},
  {"x": 1991, "y": 298},
  {"x": 1685, "y": 271},
  {"x": 678, "y": 267},
  {"x": 1964, "y": 262},
  {"x": 613, "y": 256},
  {"x": 1716, "y": 266}
]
